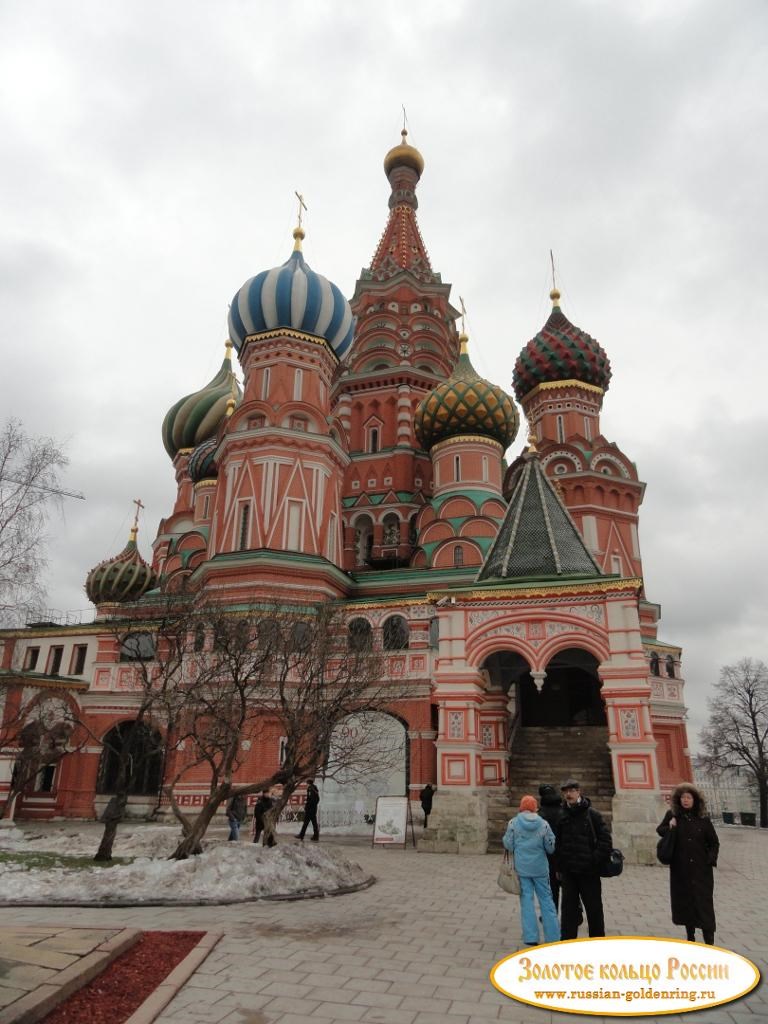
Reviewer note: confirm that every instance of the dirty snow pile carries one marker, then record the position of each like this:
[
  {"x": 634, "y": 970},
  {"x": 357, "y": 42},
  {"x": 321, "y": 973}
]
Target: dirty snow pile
[
  {"x": 83, "y": 840},
  {"x": 224, "y": 872}
]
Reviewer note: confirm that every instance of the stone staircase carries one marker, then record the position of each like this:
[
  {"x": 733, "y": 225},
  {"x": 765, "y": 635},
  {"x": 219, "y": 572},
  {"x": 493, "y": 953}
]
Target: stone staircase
[{"x": 542, "y": 754}]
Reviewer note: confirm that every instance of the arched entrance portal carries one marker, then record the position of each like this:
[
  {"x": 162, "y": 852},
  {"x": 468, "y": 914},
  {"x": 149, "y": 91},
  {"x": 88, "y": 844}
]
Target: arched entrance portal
[
  {"x": 368, "y": 758},
  {"x": 569, "y": 696}
]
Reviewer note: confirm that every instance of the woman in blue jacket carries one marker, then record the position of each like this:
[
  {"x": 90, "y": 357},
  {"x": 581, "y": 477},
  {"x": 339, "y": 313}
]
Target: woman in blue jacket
[{"x": 529, "y": 839}]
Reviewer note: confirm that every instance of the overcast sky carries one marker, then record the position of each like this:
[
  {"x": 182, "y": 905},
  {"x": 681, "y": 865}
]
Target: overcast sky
[{"x": 149, "y": 154}]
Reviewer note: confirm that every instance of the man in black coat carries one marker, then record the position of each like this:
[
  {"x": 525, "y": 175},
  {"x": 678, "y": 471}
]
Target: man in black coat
[
  {"x": 551, "y": 810},
  {"x": 310, "y": 811},
  {"x": 426, "y": 796},
  {"x": 582, "y": 846}
]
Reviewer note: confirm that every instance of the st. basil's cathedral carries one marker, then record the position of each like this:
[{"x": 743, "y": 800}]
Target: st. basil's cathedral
[{"x": 362, "y": 462}]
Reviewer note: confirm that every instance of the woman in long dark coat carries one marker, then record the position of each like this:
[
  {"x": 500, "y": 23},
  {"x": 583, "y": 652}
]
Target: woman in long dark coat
[{"x": 696, "y": 846}]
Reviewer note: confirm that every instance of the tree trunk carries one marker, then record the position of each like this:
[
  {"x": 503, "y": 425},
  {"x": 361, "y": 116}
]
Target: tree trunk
[
  {"x": 762, "y": 789},
  {"x": 113, "y": 815},
  {"x": 191, "y": 844}
]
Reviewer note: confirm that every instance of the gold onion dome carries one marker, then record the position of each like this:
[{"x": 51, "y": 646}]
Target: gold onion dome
[
  {"x": 465, "y": 405},
  {"x": 126, "y": 577},
  {"x": 197, "y": 417},
  {"x": 404, "y": 155}
]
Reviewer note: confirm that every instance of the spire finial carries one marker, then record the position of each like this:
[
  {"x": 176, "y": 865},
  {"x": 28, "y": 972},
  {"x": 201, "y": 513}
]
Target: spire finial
[
  {"x": 228, "y": 346},
  {"x": 232, "y": 400},
  {"x": 135, "y": 528},
  {"x": 554, "y": 294},
  {"x": 532, "y": 449},
  {"x": 298, "y": 231},
  {"x": 463, "y": 336}
]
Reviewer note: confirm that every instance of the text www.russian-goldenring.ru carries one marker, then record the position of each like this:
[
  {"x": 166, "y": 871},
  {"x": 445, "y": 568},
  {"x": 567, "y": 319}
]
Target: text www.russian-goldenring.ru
[{"x": 685, "y": 995}]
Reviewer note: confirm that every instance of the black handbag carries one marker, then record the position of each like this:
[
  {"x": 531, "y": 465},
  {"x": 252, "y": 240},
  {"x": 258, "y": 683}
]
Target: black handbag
[
  {"x": 665, "y": 848},
  {"x": 612, "y": 867}
]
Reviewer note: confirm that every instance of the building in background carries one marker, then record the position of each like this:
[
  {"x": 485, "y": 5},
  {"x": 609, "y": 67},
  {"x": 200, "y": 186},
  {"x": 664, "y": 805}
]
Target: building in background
[{"x": 362, "y": 462}]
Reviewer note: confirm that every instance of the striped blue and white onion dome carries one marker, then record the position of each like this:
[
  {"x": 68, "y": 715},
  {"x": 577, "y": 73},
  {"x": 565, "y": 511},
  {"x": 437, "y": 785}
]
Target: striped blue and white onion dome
[{"x": 292, "y": 297}]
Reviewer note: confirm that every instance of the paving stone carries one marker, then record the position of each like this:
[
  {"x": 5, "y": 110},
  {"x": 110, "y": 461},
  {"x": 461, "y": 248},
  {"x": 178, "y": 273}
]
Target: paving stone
[{"x": 429, "y": 931}]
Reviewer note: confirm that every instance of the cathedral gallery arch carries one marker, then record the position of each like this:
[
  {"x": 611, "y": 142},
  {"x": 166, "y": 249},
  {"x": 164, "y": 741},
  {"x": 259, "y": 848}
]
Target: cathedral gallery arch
[{"x": 368, "y": 758}]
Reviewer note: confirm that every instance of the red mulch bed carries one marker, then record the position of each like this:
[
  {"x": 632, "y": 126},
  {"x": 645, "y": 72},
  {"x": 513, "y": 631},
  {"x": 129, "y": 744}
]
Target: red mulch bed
[{"x": 119, "y": 990}]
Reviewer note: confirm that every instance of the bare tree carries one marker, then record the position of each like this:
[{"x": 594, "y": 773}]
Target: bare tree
[
  {"x": 36, "y": 730},
  {"x": 301, "y": 669},
  {"x": 736, "y": 735},
  {"x": 30, "y": 484},
  {"x": 157, "y": 651}
]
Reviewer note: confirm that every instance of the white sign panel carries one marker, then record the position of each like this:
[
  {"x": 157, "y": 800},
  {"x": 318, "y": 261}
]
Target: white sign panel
[{"x": 391, "y": 820}]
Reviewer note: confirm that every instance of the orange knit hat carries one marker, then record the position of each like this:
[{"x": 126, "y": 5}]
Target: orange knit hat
[{"x": 528, "y": 803}]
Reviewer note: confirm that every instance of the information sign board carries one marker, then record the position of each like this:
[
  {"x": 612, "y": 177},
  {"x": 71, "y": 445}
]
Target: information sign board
[{"x": 393, "y": 816}]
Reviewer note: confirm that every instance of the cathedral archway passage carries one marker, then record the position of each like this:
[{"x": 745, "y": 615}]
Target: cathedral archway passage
[
  {"x": 509, "y": 672},
  {"x": 368, "y": 758},
  {"x": 145, "y": 759},
  {"x": 569, "y": 696}
]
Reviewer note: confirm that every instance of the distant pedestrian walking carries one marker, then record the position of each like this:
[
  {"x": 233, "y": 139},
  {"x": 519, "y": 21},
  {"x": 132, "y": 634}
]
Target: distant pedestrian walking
[
  {"x": 529, "y": 839},
  {"x": 582, "y": 847},
  {"x": 260, "y": 809},
  {"x": 695, "y": 848},
  {"x": 426, "y": 796},
  {"x": 310, "y": 812},
  {"x": 237, "y": 812}
]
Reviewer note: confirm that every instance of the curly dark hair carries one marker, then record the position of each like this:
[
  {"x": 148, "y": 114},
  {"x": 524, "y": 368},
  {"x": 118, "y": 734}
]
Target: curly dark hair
[{"x": 699, "y": 808}]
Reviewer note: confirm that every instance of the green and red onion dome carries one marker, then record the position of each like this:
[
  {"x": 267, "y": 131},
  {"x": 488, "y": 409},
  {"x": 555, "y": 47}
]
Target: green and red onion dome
[
  {"x": 126, "y": 577},
  {"x": 197, "y": 417},
  {"x": 201, "y": 465},
  {"x": 465, "y": 404},
  {"x": 560, "y": 351}
]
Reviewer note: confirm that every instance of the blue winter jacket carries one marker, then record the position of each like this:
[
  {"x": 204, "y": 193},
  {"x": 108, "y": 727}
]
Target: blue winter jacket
[{"x": 529, "y": 839}]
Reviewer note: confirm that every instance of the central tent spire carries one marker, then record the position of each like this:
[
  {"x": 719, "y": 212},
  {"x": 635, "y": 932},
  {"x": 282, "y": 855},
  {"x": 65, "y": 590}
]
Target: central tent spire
[{"x": 401, "y": 246}]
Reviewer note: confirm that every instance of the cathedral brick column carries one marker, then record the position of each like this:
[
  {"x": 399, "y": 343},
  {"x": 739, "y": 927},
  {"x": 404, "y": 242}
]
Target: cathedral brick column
[{"x": 638, "y": 805}]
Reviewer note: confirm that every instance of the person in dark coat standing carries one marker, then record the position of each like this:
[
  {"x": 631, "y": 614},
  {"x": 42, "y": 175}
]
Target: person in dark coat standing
[
  {"x": 582, "y": 846},
  {"x": 691, "y": 879},
  {"x": 237, "y": 812},
  {"x": 310, "y": 812},
  {"x": 260, "y": 809},
  {"x": 551, "y": 810},
  {"x": 426, "y": 796}
]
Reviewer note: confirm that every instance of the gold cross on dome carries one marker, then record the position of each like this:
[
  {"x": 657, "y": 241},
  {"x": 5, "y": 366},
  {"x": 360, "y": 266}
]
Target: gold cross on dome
[
  {"x": 302, "y": 205},
  {"x": 463, "y": 314},
  {"x": 139, "y": 505}
]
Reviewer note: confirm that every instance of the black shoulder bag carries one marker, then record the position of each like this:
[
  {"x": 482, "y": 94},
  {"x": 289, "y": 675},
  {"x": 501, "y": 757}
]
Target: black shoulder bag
[
  {"x": 612, "y": 867},
  {"x": 665, "y": 848}
]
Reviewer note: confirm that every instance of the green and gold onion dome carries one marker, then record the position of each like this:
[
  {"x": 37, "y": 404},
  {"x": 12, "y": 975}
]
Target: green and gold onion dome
[
  {"x": 465, "y": 404},
  {"x": 560, "y": 351},
  {"x": 201, "y": 465},
  {"x": 126, "y": 577},
  {"x": 404, "y": 155},
  {"x": 197, "y": 417}
]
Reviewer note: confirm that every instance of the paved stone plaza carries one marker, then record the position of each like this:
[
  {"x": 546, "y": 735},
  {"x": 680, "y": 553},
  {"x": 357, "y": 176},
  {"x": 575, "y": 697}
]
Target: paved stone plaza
[{"x": 416, "y": 948}]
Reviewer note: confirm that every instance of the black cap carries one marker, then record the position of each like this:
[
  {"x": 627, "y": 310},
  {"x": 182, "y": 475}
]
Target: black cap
[
  {"x": 570, "y": 784},
  {"x": 545, "y": 789}
]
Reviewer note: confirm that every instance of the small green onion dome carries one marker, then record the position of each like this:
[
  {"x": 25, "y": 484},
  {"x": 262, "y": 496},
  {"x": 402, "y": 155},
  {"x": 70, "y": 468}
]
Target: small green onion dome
[
  {"x": 201, "y": 465},
  {"x": 465, "y": 404},
  {"x": 122, "y": 578},
  {"x": 197, "y": 417},
  {"x": 560, "y": 351}
]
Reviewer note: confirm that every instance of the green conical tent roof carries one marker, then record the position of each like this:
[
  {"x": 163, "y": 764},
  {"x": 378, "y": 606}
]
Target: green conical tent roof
[{"x": 538, "y": 538}]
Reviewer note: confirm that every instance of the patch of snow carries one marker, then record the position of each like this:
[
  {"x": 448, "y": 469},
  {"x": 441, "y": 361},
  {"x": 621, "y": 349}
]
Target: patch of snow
[{"x": 226, "y": 871}]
